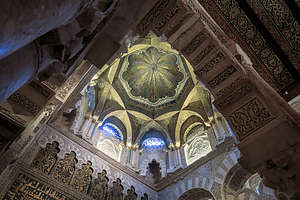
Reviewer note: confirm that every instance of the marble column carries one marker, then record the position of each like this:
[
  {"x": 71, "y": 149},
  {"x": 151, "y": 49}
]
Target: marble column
[
  {"x": 89, "y": 135},
  {"x": 17, "y": 69},
  {"x": 21, "y": 22},
  {"x": 124, "y": 153},
  {"x": 21, "y": 56},
  {"x": 172, "y": 161},
  {"x": 183, "y": 158},
  {"x": 85, "y": 127}
]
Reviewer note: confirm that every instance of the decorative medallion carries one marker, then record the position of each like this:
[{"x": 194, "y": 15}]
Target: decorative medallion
[{"x": 153, "y": 76}]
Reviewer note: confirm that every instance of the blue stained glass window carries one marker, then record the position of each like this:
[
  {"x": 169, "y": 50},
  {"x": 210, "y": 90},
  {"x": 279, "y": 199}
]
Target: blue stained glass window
[
  {"x": 109, "y": 130},
  {"x": 153, "y": 142}
]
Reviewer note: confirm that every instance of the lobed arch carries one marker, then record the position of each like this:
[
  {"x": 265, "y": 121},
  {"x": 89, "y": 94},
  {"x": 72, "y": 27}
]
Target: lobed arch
[{"x": 196, "y": 194}]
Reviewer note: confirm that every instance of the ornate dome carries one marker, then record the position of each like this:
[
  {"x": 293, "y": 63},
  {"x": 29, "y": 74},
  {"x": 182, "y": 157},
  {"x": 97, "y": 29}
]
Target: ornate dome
[
  {"x": 151, "y": 87},
  {"x": 152, "y": 75}
]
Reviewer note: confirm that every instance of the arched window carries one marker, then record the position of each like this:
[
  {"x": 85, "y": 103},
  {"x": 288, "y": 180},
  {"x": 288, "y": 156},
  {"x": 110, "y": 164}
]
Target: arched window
[
  {"x": 110, "y": 130},
  {"x": 109, "y": 140},
  {"x": 153, "y": 140}
]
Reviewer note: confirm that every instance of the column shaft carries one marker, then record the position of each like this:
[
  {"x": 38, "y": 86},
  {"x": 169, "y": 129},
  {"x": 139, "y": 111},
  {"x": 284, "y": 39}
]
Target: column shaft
[{"x": 22, "y": 22}]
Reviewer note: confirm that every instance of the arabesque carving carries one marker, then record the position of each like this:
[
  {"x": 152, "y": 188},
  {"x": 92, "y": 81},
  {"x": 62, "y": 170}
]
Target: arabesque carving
[
  {"x": 65, "y": 168},
  {"x": 248, "y": 118},
  {"x": 46, "y": 158},
  {"x": 131, "y": 195},
  {"x": 100, "y": 186},
  {"x": 82, "y": 178},
  {"x": 116, "y": 191}
]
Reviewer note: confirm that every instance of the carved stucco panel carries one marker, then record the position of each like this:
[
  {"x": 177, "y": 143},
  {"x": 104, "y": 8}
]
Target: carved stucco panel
[{"x": 48, "y": 135}]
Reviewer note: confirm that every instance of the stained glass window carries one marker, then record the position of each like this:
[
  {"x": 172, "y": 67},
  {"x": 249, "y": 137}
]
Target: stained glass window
[
  {"x": 153, "y": 142},
  {"x": 111, "y": 131}
]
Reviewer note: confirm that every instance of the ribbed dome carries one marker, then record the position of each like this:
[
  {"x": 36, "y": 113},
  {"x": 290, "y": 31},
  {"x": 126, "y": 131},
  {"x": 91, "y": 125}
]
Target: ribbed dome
[
  {"x": 150, "y": 87},
  {"x": 152, "y": 75}
]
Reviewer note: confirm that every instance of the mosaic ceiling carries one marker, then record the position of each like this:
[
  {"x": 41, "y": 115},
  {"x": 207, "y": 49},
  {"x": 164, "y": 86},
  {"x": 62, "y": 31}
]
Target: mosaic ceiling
[{"x": 151, "y": 87}]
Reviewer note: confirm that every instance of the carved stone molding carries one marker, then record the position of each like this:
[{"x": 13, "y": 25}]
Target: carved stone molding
[
  {"x": 25, "y": 102},
  {"x": 250, "y": 117},
  {"x": 66, "y": 145},
  {"x": 202, "y": 71},
  {"x": 12, "y": 116},
  {"x": 221, "y": 77},
  {"x": 194, "y": 43},
  {"x": 65, "y": 90},
  {"x": 200, "y": 56},
  {"x": 145, "y": 25},
  {"x": 233, "y": 93},
  {"x": 164, "y": 17}
]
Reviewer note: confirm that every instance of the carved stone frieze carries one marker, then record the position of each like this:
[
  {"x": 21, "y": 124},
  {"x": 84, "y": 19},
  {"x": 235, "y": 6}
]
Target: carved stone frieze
[
  {"x": 131, "y": 195},
  {"x": 100, "y": 186},
  {"x": 25, "y": 102},
  {"x": 147, "y": 22},
  {"x": 237, "y": 25},
  {"x": 250, "y": 117},
  {"x": 68, "y": 146},
  {"x": 221, "y": 77},
  {"x": 65, "y": 168},
  {"x": 232, "y": 87},
  {"x": 197, "y": 8},
  {"x": 82, "y": 178},
  {"x": 46, "y": 158},
  {"x": 233, "y": 93},
  {"x": 195, "y": 43},
  {"x": 28, "y": 187},
  {"x": 116, "y": 191},
  {"x": 80, "y": 73},
  {"x": 202, "y": 71},
  {"x": 164, "y": 18},
  {"x": 202, "y": 54},
  {"x": 66, "y": 88}
]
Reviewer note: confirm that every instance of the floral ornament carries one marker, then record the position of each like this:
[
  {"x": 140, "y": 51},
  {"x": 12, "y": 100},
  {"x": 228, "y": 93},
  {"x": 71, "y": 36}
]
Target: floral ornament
[{"x": 153, "y": 75}]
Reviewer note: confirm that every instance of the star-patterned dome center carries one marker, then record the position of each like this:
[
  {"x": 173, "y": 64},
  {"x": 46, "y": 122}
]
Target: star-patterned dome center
[{"x": 152, "y": 75}]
